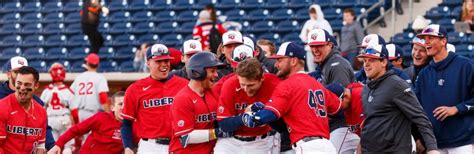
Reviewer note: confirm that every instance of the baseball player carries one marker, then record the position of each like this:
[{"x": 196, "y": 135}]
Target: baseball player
[
  {"x": 230, "y": 40},
  {"x": 22, "y": 120},
  {"x": 147, "y": 104},
  {"x": 57, "y": 96},
  {"x": 8, "y": 87},
  {"x": 249, "y": 85},
  {"x": 105, "y": 131},
  {"x": 190, "y": 47},
  {"x": 390, "y": 107},
  {"x": 304, "y": 106},
  {"x": 90, "y": 90},
  {"x": 193, "y": 113},
  {"x": 395, "y": 56},
  {"x": 419, "y": 57}
]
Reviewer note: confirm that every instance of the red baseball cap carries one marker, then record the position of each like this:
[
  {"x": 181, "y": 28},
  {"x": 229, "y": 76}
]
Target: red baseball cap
[
  {"x": 93, "y": 59},
  {"x": 176, "y": 54}
]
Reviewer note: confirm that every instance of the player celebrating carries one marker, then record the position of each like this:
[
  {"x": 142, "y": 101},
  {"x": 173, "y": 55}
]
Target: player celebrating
[
  {"x": 57, "y": 97},
  {"x": 22, "y": 119},
  {"x": 250, "y": 85},
  {"x": 190, "y": 47},
  {"x": 90, "y": 90},
  {"x": 105, "y": 131},
  {"x": 193, "y": 113},
  {"x": 304, "y": 106},
  {"x": 147, "y": 103}
]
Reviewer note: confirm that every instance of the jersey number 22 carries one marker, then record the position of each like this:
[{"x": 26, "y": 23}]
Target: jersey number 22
[
  {"x": 85, "y": 88},
  {"x": 316, "y": 102}
]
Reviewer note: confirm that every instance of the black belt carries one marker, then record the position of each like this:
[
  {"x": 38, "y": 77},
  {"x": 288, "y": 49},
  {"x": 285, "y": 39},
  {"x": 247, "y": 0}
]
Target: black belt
[
  {"x": 165, "y": 141},
  {"x": 309, "y": 138},
  {"x": 253, "y": 138}
]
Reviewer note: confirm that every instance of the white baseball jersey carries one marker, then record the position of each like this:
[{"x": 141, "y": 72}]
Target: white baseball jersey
[
  {"x": 57, "y": 98},
  {"x": 86, "y": 88}
]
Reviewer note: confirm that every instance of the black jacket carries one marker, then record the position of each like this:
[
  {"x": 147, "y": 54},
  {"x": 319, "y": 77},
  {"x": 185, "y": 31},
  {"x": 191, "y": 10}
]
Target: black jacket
[{"x": 390, "y": 107}]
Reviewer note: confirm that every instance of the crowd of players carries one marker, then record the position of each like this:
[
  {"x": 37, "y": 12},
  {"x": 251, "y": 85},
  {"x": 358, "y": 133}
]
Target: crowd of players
[{"x": 242, "y": 101}]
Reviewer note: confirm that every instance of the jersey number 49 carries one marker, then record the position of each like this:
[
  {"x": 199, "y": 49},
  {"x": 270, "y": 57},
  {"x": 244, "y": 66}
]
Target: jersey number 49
[{"x": 316, "y": 102}]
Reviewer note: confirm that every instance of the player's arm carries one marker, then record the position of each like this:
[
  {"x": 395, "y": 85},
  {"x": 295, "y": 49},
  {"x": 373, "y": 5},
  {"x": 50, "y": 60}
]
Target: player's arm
[
  {"x": 407, "y": 102},
  {"x": 4, "y": 116},
  {"x": 128, "y": 113},
  {"x": 80, "y": 129},
  {"x": 225, "y": 114},
  {"x": 126, "y": 131}
]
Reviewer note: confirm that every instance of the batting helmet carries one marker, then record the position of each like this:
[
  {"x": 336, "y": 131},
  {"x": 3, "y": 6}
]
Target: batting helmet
[
  {"x": 57, "y": 72},
  {"x": 196, "y": 67}
]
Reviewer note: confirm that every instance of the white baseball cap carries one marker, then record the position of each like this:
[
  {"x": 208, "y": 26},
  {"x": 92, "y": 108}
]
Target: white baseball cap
[
  {"x": 191, "y": 47},
  {"x": 17, "y": 62},
  {"x": 450, "y": 47},
  {"x": 320, "y": 37},
  {"x": 372, "y": 40},
  {"x": 230, "y": 37},
  {"x": 248, "y": 41},
  {"x": 241, "y": 53}
]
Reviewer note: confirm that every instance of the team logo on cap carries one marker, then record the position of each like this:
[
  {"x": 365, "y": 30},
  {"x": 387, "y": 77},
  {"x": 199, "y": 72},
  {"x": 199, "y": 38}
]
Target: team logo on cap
[
  {"x": 367, "y": 40},
  {"x": 242, "y": 55},
  {"x": 428, "y": 30},
  {"x": 192, "y": 46},
  {"x": 21, "y": 62},
  {"x": 314, "y": 36},
  {"x": 231, "y": 36}
]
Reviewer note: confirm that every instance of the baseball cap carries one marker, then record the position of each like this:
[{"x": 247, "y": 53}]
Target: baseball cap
[
  {"x": 93, "y": 59},
  {"x": 191, "y": 47},
  {"x": 418, "y": 41},
  {"x": 249, "y": 42},
  {"x": 176, "y": 54},
  {"x": 394, "y": 51},
  {"x": 372, "y": 40},
  {"x": 15, "y": 62},
  {"x": 158, "y": 52},
  {"x": 241, "y": 53},
  {"x": 230, "y": 37},
  {"x": 377, "y": 51},
  {"x": 320, "y": 37},
  {"x": 433, "y": 30},
  {"x": 290, "y": 49},
  {"x": 336, "y": 88}
]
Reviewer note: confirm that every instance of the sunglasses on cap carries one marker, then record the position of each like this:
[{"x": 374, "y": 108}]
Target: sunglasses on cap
[{"x": 372, "y": 51}]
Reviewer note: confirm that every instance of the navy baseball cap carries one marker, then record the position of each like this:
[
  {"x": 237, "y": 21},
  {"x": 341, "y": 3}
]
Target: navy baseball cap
[
  {"x": 372, "y": 40},
  {"x": 290, "y": 49},
  {"x": 394, "y": 51},
  {"x": 336, "y": 88},
  {"x": 320, "y": 37},
  {"x": 433, "y": 30},
  {"x": 377, "y": 51},
  {"x": 158, "y": 52}
]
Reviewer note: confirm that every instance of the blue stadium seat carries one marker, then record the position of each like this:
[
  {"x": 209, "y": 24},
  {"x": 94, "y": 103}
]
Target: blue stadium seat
[
  {"x": 151, "y": 38},
  {"x": 120, "y": 28},
  {"x": 55, "y": 41},
  {"x": 9, "y": 7},
  {"x": 274, "y": 4},
  {"x": 31, "y": 7},
  {"x": 456, "y": 38},
  {"x": 250, "y": 4},
  {"x": 336, "y": 25},
  {"x": 281, "y": 14},
  {"x": 33, "y": 28},
  {"x": 33, "y": 41},
  {"x": 166, "y": 27},
  {"x": 367, "y": 3},
  {"x": 455, "y": 12},
  {"x": 261, "y": 27},
  {"x": 118, "y": 16},
  {"x": 36, "y": 53},
  {"x": 181, "y": 5},
  {"x": 53, "y": 28},
  {"x": 115, "y": 6},
  {"x": 10, "y": 18},
  {"x": 256, "y": 15},
  {"x": 106, "y": 52},
  {"x": 226, "y": 5},
  {"x": 345, "y": 3},
  {"x": 137, "y": 6},
  {"x": 73, "y": 17},
  {"x": 141, "y": 16},
  {"x": 465, "y": 50},
  {"x": 406, "y": 49},
  {"x": 77, "y": 40},
  {"x": 50, "y": 7},
  {"x": 38, "y": 65},
  {"x": 73, "y": 29},
  {"x": 436, "y": 13},
  {"x": 186, "y": 28},
  {"x": 324, "y": 3},
  {"x": 123, "y": 40},
  {"x": 76, "y": 67},
  {"x": 159, "y": 5},
  {"x": 107, "y": 66},
  {"x": 126, "y": 66},
  {"x": 171, "y": 40},
  {"x": 402, "y": 38},
  {"x": 164, "y": 16},
  {"x": 53, "y": 17},
  {"x": 57, "y": 53},
  {"x": 11, "y": 40},
  {"x": 8, "y": 53},
  {"x": 269, "y": 36},
  {"x": 201, "y": 4},
  {"x": 142, "y": 27},
  {"x": 235, "y": 15},
  {"x": 332, "y": 13},
  {"x": 286, "y": 26},
  {"x": 72, "y": 6},
  {"x": 124, "y": 53},
  {"x": 31, "y": 18},
  {"x": 301, "y": 15},
  {"x": 298, "y": 4},
  {"x": 452, "y": 3},
  {"x": 9, "y": 29},
  {"x": 186, "y": 16},
  {"x": 292, "y": 37},
  {"x": 77, "y": 53}
]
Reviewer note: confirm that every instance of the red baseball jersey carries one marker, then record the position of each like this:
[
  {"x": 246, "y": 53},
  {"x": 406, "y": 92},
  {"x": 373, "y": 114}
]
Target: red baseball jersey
[
  {"x": 189, "y": 112},
  {"x": 304, "y": 106},
  {"x": 354, "y": 113},
  {"x": 104, "y": 138},
  {"x": 147, "y": 102},
  {"x": 21, "y": 131},
  {"x": 233, "y": 101},
  {"x": 218, "y": 85},
  {"x": 201, "y": 32}
]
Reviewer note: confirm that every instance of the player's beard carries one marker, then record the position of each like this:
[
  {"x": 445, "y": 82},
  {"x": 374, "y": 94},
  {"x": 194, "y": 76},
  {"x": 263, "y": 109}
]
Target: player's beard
[{"x": 283, "y": 73}]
